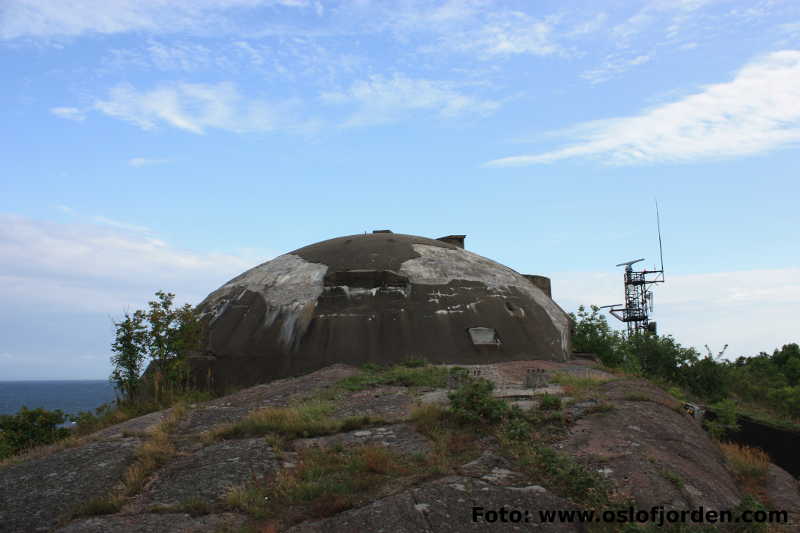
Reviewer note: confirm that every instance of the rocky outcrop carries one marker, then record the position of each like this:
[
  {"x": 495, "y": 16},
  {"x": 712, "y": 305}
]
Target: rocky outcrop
[{"x": 628, "y": 432}]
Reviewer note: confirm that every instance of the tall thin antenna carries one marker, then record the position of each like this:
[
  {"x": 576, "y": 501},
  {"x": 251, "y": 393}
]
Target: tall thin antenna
[{"x": 660, "y": 250}]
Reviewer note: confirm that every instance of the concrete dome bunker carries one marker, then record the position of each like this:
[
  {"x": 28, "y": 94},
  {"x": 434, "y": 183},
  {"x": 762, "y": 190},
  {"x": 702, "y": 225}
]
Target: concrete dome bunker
[{"x": 378, "y": 298}]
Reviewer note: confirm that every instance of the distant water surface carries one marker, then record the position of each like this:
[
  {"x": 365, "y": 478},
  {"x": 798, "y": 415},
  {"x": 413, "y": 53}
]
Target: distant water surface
[{"x": 72, "y": 396}]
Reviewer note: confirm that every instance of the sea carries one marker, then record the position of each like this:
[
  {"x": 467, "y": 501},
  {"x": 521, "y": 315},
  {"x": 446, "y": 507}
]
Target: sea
[{"x": 71, "y": 396}]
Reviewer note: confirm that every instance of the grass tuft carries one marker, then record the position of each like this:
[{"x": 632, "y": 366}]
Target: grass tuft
[
  {"x": 309, "y": 419},
  {"x": 749, "y": 465},
  {"x": 412, "y": 373},
  {"x": 325, "y": 482}
]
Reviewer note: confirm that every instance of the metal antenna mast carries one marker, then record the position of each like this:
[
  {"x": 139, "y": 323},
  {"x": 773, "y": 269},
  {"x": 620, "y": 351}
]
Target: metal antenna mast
[{"x": 638, "y": 295}]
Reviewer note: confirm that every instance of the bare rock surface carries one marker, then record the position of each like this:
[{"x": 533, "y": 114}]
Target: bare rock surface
[
  {"x": 399, "y": 437},
  {"x": 135, "y": 426},
  {"x": 445, "y": 505},
  {"x": 653, "y": 454},
  {"x": 282, "y": 392},
  {"x": 36, "y": 493},
  {"x": 207, "y": 474},
  {"x": 628, "y": 430},
  {"x": 156, "y": 523},
  {"x": 783, "y": 493},
  {"x": 389, "y": 403}
]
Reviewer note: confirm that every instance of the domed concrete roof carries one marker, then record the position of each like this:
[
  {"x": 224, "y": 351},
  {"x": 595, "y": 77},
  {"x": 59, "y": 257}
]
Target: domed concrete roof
[{"x": 379, "y": 298}]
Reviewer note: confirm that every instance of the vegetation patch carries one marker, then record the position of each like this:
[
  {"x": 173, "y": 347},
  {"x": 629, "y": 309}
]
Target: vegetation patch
[
  {"x": 561, "y": 473},
  {"x": 453, "y": 444},
  {"x": 309, "y": 419},
  {"x": 749, "y": 465},
  {"x": 602, "y": 407},
  {"x": 579, "y": 387},
  {"x": 29, "y": 428},
  {"x": 153, "y": 453},
  {"x": 549, "y": 402},
  {"x": 672, "y": 477},
  {"x": 412, "y": 373},
  {"x": 324, "y": 482},
  {"x": 637, "y": 398},
  {"x": 99, "y": 506}
]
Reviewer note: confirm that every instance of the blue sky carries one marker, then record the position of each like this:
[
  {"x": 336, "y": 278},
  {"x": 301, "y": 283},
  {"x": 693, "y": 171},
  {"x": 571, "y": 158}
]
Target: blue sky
[{"x": 154, "y": 145}]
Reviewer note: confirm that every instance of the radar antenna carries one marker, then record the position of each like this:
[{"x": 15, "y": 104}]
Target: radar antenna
[{"x": 638, "y": 293}]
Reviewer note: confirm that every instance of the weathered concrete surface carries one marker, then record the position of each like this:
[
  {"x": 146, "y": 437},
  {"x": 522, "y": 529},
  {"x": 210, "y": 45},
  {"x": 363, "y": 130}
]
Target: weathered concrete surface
[
  {"x": 34, "y": 494},
  {"x": 445, "y": 505},
  {"x": 156, "y": 523},
  {"x": 208, "y": 474},
  {"x": 399, "y": 437},
  {"x": 378, "y": 298},
  {"x": 653, "y": 454}
]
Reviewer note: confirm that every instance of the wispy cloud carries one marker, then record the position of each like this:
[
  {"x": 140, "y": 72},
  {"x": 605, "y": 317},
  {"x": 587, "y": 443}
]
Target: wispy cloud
[
  {"x": 137, "y": 162},
  {"x": 105, "y": 221},
  {"x": 380, "y": 99},
  {"x": 44, "y": 18},
  {"x": 197, "y": 107},
  {"x": 613, "y": 66},
  {"x": 757, "y": 111},
  {"x": 69, "y": 113}
]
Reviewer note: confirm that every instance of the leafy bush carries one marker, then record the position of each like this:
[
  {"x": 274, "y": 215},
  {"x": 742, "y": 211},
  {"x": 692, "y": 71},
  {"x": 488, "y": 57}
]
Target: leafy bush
[
  {"x": 593, "y": 334},
  {"x": 725, "y": 419},
  {"x": 28, "y": 428},
  {"x": 549, "y": 402},
  {"x": 473, "y": 403}
]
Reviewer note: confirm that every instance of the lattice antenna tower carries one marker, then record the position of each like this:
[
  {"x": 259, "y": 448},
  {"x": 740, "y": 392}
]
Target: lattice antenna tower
[{"x": 638, "y": 292}]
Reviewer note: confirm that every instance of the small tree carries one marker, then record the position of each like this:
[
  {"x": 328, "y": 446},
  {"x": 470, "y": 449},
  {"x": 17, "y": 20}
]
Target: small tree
[
  {"x": 162, "y": 334},
  {"x": 129, "y": 351}
]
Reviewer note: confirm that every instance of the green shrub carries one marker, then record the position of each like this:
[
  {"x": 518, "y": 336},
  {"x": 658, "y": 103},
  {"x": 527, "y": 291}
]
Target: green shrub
[
  {"x": 593, "y": 334},
  {"x": 725, "y": 419},
  {"x": 473, "y": 403},
  {"x": 30, "y": 427},
  {"x": 549, "y": 402},
  {"x": 403, "y": 375}
]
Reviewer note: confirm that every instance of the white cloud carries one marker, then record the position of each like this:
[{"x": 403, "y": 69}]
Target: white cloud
[
  {"x": 751, "y": 310},
  {"x": 105, "y": 221},
  {"x": 759, "y": 110},
  {"x": 146, "y": 161},
  {"x": 612, "y": 66},
  {"x": 506, "y": 34},
  {"x": 100, "y": 268},
  {"x": 69, "y": 113},
  {"x": 46, "y": 18},
  {"x": 381, "y": 99},
  {"x": 196, "y": 107}
]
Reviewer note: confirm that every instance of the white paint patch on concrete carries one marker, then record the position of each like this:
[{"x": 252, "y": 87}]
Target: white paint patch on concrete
[
  {"x": 440, "y": 266},
  {"x": 289, "y": 285}
]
